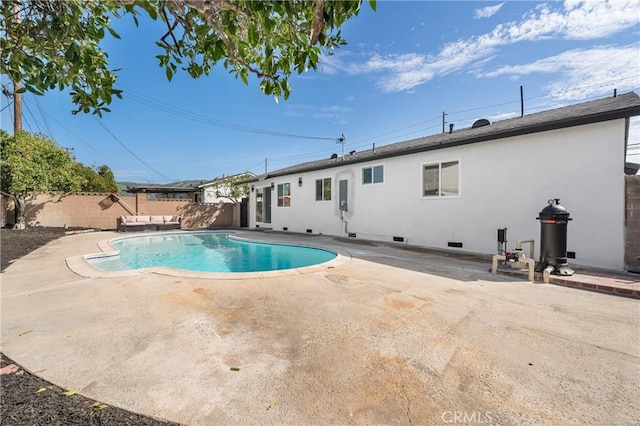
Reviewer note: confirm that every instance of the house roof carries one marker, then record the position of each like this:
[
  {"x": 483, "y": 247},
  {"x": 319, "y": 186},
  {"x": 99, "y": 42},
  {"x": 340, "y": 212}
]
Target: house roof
[
  {"x": 226, "y": 178},
  {"x": 631, "y": 168},
  {"x": 621, "y": 106},
  {"x": 159, "y": 189}
]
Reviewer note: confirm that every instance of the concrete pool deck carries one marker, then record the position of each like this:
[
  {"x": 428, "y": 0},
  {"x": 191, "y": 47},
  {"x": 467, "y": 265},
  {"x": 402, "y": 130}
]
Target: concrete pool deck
[{"x": 388, "y": 336}]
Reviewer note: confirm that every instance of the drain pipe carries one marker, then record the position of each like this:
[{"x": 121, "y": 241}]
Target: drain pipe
[{"x": 346, "y": 231}]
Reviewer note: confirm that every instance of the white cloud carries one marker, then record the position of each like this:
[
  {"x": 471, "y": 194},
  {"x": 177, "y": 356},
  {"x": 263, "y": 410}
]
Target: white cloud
[
  {"x": 487, "y": 12},
  {"x": 332, "y": 113},
  {"x": 583, "y": 72},
  {"x": 576, "y": 19}
]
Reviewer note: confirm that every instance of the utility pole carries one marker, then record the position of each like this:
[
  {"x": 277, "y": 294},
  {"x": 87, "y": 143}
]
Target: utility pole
[
  {"x": 443, "y": 122},
  {"x": 17, "y": 97}
]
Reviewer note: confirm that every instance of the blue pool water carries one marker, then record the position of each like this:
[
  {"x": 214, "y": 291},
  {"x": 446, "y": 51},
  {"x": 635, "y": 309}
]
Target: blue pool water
[{"x": 207, "y": 252}]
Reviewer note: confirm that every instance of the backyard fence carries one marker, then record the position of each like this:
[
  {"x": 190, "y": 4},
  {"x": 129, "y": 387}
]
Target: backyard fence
[
  {"x": 632, "y": 223},
  {"x": 100, "y": 211}
]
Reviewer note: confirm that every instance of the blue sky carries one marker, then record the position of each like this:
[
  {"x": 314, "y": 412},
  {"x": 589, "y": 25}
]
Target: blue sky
[{"x": 404, "y": 65}]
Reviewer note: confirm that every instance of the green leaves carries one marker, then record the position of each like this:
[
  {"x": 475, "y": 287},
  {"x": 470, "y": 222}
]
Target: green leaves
[
  {"x": 58, "y": 46},
  {"x": 34, "y": 163}
]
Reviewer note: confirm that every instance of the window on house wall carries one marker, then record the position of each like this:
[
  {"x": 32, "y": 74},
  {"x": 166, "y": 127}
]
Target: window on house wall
[
  {"x": 284, "y": 195},
  {"x": 342, "y": 194},
  {"x": 441, "y": 179},
  {"x": 372, "y": 175},
  {"x": 259, "y": 204},
  {"x": 323, "y": 189}
]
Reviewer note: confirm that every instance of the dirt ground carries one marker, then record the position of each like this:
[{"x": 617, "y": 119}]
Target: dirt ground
[
  {"x": 26, "y": 399},
  {"x": 16, "y": 243}
]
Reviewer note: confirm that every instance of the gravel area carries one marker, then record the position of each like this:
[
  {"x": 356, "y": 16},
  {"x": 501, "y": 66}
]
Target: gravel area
[{"x": 26, "y": 399}]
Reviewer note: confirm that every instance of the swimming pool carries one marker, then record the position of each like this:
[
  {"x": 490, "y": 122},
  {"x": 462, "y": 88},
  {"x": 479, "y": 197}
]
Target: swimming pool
[{"x": 206, "y": 252}]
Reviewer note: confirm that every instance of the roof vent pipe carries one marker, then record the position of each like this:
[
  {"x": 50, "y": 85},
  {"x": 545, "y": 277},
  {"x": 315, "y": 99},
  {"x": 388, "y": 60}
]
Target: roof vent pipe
[
  {"x": 374, "y": 147},
  {"x": 615, "y": 93},
  {"x": 450, "y": 128}
]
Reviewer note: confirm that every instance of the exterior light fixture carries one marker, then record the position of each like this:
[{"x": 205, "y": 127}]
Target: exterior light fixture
[
  {"x": 273, "y": 185},
  {"x": 252, "y": 188},
  {"x": 300, "y": 181}
]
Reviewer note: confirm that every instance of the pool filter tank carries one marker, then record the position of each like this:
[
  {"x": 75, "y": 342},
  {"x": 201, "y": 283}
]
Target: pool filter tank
[{"x": 553, "y": 238}]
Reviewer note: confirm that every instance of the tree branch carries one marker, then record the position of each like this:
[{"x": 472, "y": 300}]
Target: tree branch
[
  {"x": 210, "y": 11},
  {"x": 318, "y": 22},
  {"x": 171, "y": 28}
]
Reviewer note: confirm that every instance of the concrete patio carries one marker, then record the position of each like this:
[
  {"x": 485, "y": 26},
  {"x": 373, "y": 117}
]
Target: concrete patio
[{"x": 388, "y": 335}]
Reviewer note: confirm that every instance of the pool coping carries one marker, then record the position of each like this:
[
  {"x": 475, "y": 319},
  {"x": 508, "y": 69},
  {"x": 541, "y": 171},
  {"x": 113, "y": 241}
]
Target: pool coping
[{"x": 81, "y": 266}]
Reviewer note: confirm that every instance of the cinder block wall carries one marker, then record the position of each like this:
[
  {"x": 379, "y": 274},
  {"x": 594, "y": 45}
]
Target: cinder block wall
[
  {"x": 632, "y": 223},
  {"x": 193, "y": 215},
  {"x": 100, "y": 211},
  {"x": 97, "y": 211}
]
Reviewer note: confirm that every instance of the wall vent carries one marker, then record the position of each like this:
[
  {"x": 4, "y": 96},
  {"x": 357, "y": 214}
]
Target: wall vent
[
  {"x": 571, "y": 254},
  {"x": 285, "y": 228},
  {"x": 454, "y": 244},
  {"x": 398, "y": 239},
  {"x": 352, "y": 234},
  {"x": 309, "y": 231}
]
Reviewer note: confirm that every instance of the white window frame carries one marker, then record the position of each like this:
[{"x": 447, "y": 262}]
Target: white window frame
[
  {"x": 322, "y": 192},
  {"x": 439, "y": 164},
  {"x": 283, "y": 197},
  {"x": 362, "y": 182}
]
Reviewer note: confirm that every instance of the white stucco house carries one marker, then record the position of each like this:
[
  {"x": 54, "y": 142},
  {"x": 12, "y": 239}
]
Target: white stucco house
[
  {"x": 220, "y": 190},
  {"x": 455, "y": 190}
]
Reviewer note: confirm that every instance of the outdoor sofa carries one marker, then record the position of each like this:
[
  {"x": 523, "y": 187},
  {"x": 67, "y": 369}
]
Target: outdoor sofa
[{"x": 148, "y": 223}]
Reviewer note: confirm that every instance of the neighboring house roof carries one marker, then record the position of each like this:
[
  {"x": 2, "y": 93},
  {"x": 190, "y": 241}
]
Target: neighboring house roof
[
  {"x": 621, "y": 106},
  {"x": 631, "y": 168},
  {"x": 225, "y": 179},
  {"x": 158, "y": 189}
]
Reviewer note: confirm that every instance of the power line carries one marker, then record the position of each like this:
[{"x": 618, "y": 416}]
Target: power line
[
  {"x": 132, "y": 153},
  {"x": 44, "y": 119},
  {"x": 189, "y": 115},
  {"x": 32, "y": 116},
  {"x": 7, "y": 106},
  {"x": 96, "y": 150}
]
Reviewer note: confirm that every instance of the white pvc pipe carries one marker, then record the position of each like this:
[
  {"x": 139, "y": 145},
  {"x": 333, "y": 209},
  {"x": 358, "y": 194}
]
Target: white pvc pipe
[
  {"x": 532, "y": 246},
  {"x": 546, "y": 273},
  {"x": 531, "y": 264},
  {"x": 494, "y": 262}
]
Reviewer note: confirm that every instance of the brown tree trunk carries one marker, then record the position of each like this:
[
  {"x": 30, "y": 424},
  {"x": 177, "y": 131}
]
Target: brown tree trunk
[{"x": 20, "y": 202}]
